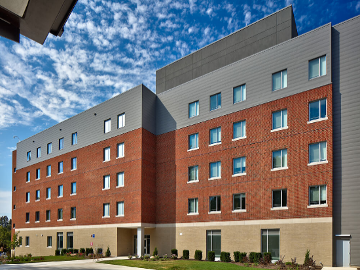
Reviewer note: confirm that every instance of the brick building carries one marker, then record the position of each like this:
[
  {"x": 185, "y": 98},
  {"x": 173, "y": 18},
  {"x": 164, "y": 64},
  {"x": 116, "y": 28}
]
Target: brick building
[{"x": 244, "y": 146}]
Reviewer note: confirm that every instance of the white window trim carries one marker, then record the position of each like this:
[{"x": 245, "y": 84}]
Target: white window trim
[
  {"x": 278, "y": 129},
  {"x": 193, "y": 181},
  {"x": 119, "y": 215},
  {"x": 193, "y": 214},
  {"x": 213, "y": 144},
  {"x": 48, "y": 198},
  {"x": 120, "y": 157},
  {"x": 281, "y": 80},
  {"x": 317, "y": 205},
  {"x": 279, "y": 208},
  {"x": 239, "y": 174},
  {"x": 27, "y": 202},
  {"x": 239, "y": 211},
  {"x": 279, "y": 169},
  {"x": 120, "y": 186},
  {"x": 38, "y": 200},
  {"x": 214, "y": 212},
  {"x": 73, "y": 169},
  {"x": 105, "y": 216},
  {"x": 193, "y": 149},
  {"x": 48, "y": 176},
  {"x": 59, "y": 220},
  {"x": 61, "y": 172},
  {"x": 37, "y": 221},
  {"x": 105, "y": 188},
  {"x": 37, "y": 179},
  {"x": 318, "y": 163},
  {"x": 214, "y": 178},
  {"x": 27, "y": 222},
  {"x": 72, "y": 194},
  {"x": 60, "y": 196},
  {"x": 239, "y": 138},
  {"x": 47, "y": 220},
  {"x": 72, "y": 218},
  {"x": 318, "y": 120}
]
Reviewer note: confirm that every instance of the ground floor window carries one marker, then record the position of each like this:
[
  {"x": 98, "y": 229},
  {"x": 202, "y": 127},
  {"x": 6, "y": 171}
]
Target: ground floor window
[
  {"x": 135, "y": 244},
  {"x": 146, "y": 244},
  {"x": 270, "y": 242},
  {"x": 60, "y": 240},
  {"x": 70, "y": 240},
  {"x": 49, "y": 241},
  {"x": 27, "y": 241},
  {"x": 213, "y": 243}
]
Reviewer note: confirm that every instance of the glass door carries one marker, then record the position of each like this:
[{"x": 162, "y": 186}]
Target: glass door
[
  {"x": 213, "y": 243},
  {"x": 146, "y": 244},
  {"x": 270, "y": 242}
]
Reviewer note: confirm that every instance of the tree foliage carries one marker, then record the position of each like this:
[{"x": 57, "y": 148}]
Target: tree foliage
[{"x": 5, "y": 232}]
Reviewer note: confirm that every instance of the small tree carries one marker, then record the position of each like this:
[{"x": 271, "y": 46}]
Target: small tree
[
  {"x": 108, "y": 253},
  {"x": 155, "y": 253}
]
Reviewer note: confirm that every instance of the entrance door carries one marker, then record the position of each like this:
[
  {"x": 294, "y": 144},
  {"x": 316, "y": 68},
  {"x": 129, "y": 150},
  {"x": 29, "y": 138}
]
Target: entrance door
[
  {"x": 213, "y": 243},
  {"x": 343, "y": 252},
  {"x": 146, "y": 244}
]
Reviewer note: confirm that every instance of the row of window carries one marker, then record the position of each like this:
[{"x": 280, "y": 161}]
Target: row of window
[
  {"x": 60, "y": 193},
  {"x": 317, "y": 68},
  {"x": 120, "y": 151},
  {"x": 49, "y": 242},
  {"x": 120, "y": 123}
]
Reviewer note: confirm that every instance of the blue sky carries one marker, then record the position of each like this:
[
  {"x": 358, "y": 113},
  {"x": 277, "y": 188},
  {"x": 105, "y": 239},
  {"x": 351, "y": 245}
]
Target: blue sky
[{"x": 111, "y": 46}]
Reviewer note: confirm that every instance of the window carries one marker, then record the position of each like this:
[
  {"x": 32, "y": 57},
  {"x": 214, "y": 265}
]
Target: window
[
  {"x": 70, "y": 240},
  {"x": 215, "y": 101},
  {"x": 279, "y": 198},
  {"x": 193, "y": 109},
  {"x": 215, "y": 169},
  {"x": 193, "y": 206},
  {"x": 239, "y": 130},
  {"x": 61, "y": 143},
  {"x": 317, "y": 110},
  {"x": 14, "y": 207},
  {"x": 28, "y": 156},
  {"x": 60, "y": 214},
  {"x": 239, "y": 165},
  {"x": 121, "y": 120},
  {"x": 49, "y": 148},
  {"x": 279, "y": 119},
  {"x": 37, "y": 216},
  {"x": 74, "y": 163},
  {"x": 120, "y": 150},
  {"x": 120, "y": 209},
  {"x": 27, "y": 196},
  {"x": 48, "y": 193},
  {"x": 106, "y": 184},
  {"x": 37, "y": 173},
  {"x": 27, "y": 241},
  {"x": 317, "y": 152},
  {"x": 60, "y": 240},
  {"x": 215, "y": 204},
  {"x": 193, "y": 173},
  {"x": 194, "y": 141},
  {"x": 279, "y": 159},
  {"x": 215, "y": 135},
  {"x": 27, "y": 217},
  {"x": 73, "y": 188},
  {"x": 120, "y": 179},
  {"x": 213, "y": 243},
  {"x": 270, "y": 242},
  {"x": 239, "y": 202},
  {"x": 239, "y": 93},
  {"x": 74, "y": 138},
  {"x": 73, "y": 213},
  {"x": 14, "y": 188},
  {"x": 38, "y": 152},
  {"x": 107, "y": 126},
  {"x": 107, "y": 154},
  {"x": 279, "y": 80},
  {"x": 317, "y": 67},
  {"x": 106, "y": 210},
  {"x": 317, "y": 195},
  {"x": 49, "y": 241},
  {"x": 20, "y": 240},
  {"x": 37, "y": 195},
  {"x": 60, "y": 190},
  {"x": 60, "y": 167},
  {"x": 47, "y": 215},
  {"x": 48, "y": 170},
  {"x": 28, "y": 177}
]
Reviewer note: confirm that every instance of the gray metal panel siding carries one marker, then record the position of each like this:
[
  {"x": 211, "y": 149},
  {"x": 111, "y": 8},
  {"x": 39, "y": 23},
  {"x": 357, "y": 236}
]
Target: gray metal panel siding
[
  {"x": 346, "y": 97},
  {"x": 90, "y": 128},
  {"x": 148, "y": 109},
  {"x": 256, "y": 71}
]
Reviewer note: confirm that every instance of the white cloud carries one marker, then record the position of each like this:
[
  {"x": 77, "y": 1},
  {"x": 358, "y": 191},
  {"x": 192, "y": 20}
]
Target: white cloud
[
  {"x": 357, "y": 6},
  {"x": 5, "y": 203},
  {"x": 11, "y": 148},
  {"x": 247, "y": 14}
]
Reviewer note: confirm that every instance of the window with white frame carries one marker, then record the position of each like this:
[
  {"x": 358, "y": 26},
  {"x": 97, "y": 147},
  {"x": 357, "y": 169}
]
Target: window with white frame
[
  {"x": 27, "y": 196},
  {"x": 270, "y": 242},
  {"x": 47, "y": 217},
  {"x": 239, "y": 165},
  {"x": 73, "y": 213},
  {"x": 48, "y": 193},
  {"x": 120, "y": 179},
  {"x": 215, "y": 135},
  {"x": 37, "y": 173},
  {"x": 60, "y": 214},
  {"x": 73, "y": 188},
  {"x": 317, "y": 109},
  {"x": 194, "y": 141},
  {"x": 48, "y": 170},
  {"x": 215, "y": 101},
  {"x": 28, "y": 156},
  {"x": 193, "y": 206},
  {"x": 28, "y": 177},
  {"x": 215, "y": 169},
  {"x": 49, "y": 148},
  {"x": 317, "y": 195},
  {"x": 61, "y": 143},
  {"x": 193, "y": 173},
  {"x": 279, "y": 198},
  {"x": 317, "y": 152},
  {"x": 239, "y": 93},
  {"x": 60, "y": 190},
  {"x": 60, "y": 167},
  {"x": 74, "y": 138},
  {"x": 37, "y": 216},
  {"x": 106, "y": 210},
  {"x": 279, "y": 119},
  {"x": 317, "y": 67},
  {"x": 215, "y": 204},
  {"x": 121, "y": 120},
  {"x": 239, "y": 130},
  {"x": 120, "y": 150},
  {"x": 279, "y": 80},
  {"x": 107, "y": 126},
  {"x": 279, "y": 159},
  {"x": 239, "y": 202},
  {"x": 107, "y": 154},
  {"x": 27, "y": 241},
  {"x": 49, "y": 241},
  {"x": 193, "y": 109},
  {"x": 120, "y": 209},
  {"x": 38, "y": 152},
  {"x": 106, "y": 182},
  {"x": 37, "y": 195},
  {"x": 73, "y": 163},
  {"x": 27, "y": 217}
]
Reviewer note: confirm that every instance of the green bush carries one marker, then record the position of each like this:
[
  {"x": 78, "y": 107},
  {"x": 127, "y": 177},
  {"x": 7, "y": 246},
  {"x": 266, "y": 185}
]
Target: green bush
[
  {"x": 255, "y": 257},
  {"x": 174, "y": 251},
  {"x": 99, "y": 251},
  {"x": 155, "y": 252},
  {"x": 71, "y": 250},
  {"x": 186, "y": 254},
  {"x": 242, "y": 257},
  {"x": 82, "y": 250},
  {"x": 88, "y": 251},
  {"x": 57, "y": 252},
  {"x": 108, "y": 253},
  {"x": 63, "y": 251},
  {"x": 288, "y": 263},
  {"x": 267, "y": 257},
  {"x": 225, "y": 256},
  {"x": 307, "y": 257},
  {"x": 198, "y": 255},
  {"x": 76, "y": 251},
  {"x": 237, "y": 256},
  {"x": 211, "y": 256}
]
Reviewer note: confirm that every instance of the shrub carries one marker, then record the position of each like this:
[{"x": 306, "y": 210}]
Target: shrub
[
  {"x": 88, "y": 251},
  {"x": 307, "y": 257},
  {"x": 63, "y": 251},
  {"x": 198, "y": 255},
  {"x": 288, "y": 263},
  {"x": 242, "y": 257},
  {"x": 71, "y": 250},
  {"x": 174, "y": 251},
  {"x": 211, "y": 256},
  {"x": 186, "y": 254},
  {"x": 99, "y": 251},
  {"x": 255, "y": 257},
  {"x": 237, "y": 256},
  {"x": 165, "y": 256},
  {"x": 267, "y": 257},
  {"x": 129, "y": 256},
  {"x": 57, "y": 252},
  {"x": 76, "y": 251},
  {"x": 146, "y": 257},
  {"x": 82, "y": 250},
  {"x": 173, "y": 256},
  {"x": 225, "y": 256},
  {"x": 155, "y": 252},
  {"x": 156, "y": 257},
  {"x": 108, "y": 253}
]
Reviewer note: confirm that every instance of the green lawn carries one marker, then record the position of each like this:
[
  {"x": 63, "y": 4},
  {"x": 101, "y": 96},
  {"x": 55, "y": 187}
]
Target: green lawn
[
  {"x": 179, "y": 265},
  {"x": 51, "y": 259}
]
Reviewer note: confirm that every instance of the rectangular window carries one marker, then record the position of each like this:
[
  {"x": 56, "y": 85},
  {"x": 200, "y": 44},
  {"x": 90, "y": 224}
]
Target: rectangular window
[
  {"x": 120, "y": 179},
  {"x": 60, "y": 240},
  {"x": 239, "y": 93},
  {"x": 37, "y": 216},
  {"x": 107, "y": 126},
  {"x": 106, "y": 210},
  {"x": 49, "y": 148},
  {"x": 37, "y": 173},
  {"x": 107, "y": 154},
  {"x": 121, "y": 120},
  {"x": 194, "y": 141},
  {"x": 28, "y": 177},
  {"x": 48, "y": 193},
  {"x": 49, "y": 241},
  {"x": 317, "y": 152},
  {"x": 215, "y": 135},
  {"x": 48, "y": 170},
  {"x": 279, "y": 198},
  {"x": 279, "y": 119},
  {"x": 270, "y": 242},
  {"x": 60, "y": 167},
  {"x": 27, "y": 196},
  {"x": 279, "y": 159},
  {"x": 74, "y": 138},
  {"x": 317, "y": 109},
  {"x": 215, "y": 169},
  {"x": 215, "y": 101},
  {"x": 239, "y": 130},
  {"x": 317, "y": 67},
  {"x": 193, "y": 109},
  {"x": 120, "y": 209},
  {"x": 120, "y": 150},
  {"x": 73, "y": 188},
  {"x": 106, "y": 184},
  {"x": 60, "y": 190},
  {"x": 239, "y": 165},
  {"x": 74, "y": 163},
  {"x": 27, "y": 241},
  {"x": 70, "y": 240},
  {"x": 215, "y": 204},
  {"x": 61, "y": 143},
  {"x": 37, "y": 195},
  {"x": 48, "y": 215},
  {"x": 60, "y": 214},
  {"x": 239, "y": 201},
  {"x": 317, "y": 195},
  {"x": 20, "y": 241},
  {"x": 27, "y": 217},
  {"x": 73, "y": 213},
  {"x": 279, "y": 80},
  {"x": 213, "y": 243},
  {"x": 193, "y": 173},
  {"x": 193, "y": 206},
  {"x": 28, "y": 156},
  {"x": 38, "y": 152}
]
